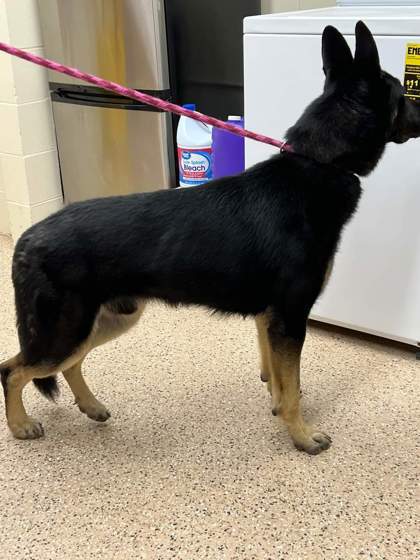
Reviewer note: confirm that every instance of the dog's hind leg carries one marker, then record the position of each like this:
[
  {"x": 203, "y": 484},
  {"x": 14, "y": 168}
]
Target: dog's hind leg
[
  {"x": 286, "y": 334},
  {"x": 83, "y": 396},
  {"x": 14, "y": 380},
  {"x": 113, "y": 320}
]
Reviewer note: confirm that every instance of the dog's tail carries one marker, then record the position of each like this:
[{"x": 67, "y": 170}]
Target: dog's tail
[{"x": 48, "y": 387}]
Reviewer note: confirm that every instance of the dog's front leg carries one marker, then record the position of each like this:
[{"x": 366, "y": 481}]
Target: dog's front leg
[{"x": 286, "y": 336}]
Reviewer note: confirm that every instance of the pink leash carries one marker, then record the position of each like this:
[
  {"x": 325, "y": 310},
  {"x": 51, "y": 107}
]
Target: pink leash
[{"x": 143, "y": 97}]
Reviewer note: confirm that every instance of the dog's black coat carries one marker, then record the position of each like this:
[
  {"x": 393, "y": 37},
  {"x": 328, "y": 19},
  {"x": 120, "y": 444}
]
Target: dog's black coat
[
  {"x": 243, "y": 244},
  {"x": 240, "y": 245}
]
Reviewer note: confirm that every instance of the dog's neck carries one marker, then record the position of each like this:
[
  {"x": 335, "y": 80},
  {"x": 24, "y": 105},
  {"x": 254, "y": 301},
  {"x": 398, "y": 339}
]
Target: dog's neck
[{"x": 332, "y": 132}]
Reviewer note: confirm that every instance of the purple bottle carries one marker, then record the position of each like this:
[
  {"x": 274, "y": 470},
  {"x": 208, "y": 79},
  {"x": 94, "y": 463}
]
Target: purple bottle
[{"x": 228, "y": 150}]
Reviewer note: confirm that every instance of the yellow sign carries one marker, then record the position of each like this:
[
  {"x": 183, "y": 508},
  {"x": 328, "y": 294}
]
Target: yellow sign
[{"x": 412, "y": 71}]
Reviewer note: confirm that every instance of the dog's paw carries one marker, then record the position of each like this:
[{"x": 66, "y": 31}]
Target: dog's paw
[
  {"x": 27, "y": 429},
  {"x": 314, "y": 443},
  {"x": 96, "y": 411}
]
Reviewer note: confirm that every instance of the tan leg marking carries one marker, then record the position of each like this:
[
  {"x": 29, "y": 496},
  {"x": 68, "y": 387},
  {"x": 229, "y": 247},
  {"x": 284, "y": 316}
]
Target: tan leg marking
[
  {"x": 20, "y": 424},
  {"x": 83, "y": 396},
  {"x": 285, "y": 360},
  {"x": 12, "y": 362},
  {"x": 108, "y": 325}
]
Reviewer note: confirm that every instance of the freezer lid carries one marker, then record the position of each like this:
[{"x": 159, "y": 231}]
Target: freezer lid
[
  {"x": 119, "y": 40},
  {"x": 381, "y": 20}
]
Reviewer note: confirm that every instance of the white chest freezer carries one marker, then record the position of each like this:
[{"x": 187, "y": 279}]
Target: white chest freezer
[{"x": 375, "y": 285}]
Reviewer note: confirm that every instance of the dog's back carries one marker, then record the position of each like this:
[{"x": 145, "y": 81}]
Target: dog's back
[{"x": 232, "y": 247}]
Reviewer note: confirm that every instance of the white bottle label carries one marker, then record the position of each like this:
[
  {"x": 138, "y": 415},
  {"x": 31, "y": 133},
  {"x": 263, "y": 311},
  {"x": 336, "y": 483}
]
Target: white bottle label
[{"x": 195, "y": 166}]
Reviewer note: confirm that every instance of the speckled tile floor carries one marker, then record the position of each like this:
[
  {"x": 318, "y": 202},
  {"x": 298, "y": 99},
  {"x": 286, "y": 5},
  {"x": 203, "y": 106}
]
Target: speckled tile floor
[{"x": 193, "y": 466}]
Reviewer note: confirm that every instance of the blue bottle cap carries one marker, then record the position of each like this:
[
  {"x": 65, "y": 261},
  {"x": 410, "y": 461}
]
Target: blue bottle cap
[{"x": 190, "y": 106}]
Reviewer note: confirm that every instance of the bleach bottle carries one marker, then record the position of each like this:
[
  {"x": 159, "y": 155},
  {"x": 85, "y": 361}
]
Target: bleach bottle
[{"x": 194, "y": 140}]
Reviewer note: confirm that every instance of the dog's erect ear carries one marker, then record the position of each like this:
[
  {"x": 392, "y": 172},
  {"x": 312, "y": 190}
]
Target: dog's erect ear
[
  {"x": 336, "y": 54},
  {"x": 366, "y": 56}
]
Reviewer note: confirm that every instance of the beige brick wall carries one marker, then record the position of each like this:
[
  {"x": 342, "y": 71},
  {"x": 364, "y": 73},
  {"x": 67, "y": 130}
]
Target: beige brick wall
[
  {"x": 273, "y": 6},
  {"x": 30, "y": 186}
]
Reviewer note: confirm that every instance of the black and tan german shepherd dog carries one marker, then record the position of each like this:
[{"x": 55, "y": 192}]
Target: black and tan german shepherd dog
[{"x": 259, "y": 244}]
